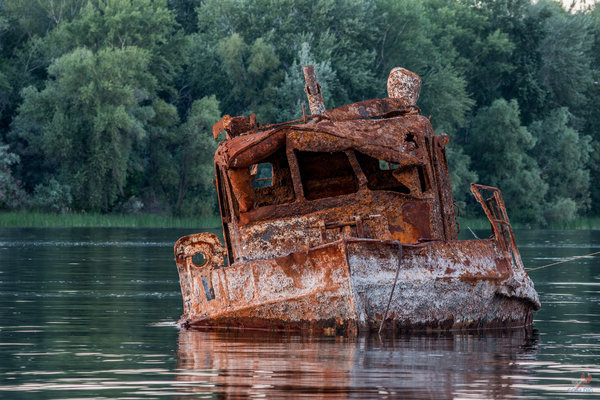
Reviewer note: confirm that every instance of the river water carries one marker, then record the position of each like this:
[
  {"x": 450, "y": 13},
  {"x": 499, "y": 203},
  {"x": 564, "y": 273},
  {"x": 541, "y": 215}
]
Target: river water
[{"x": 89, "y": 313}]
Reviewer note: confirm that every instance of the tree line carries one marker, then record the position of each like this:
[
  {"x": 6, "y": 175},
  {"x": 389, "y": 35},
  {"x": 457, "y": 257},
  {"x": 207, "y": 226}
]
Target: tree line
[{"x": 107, "y": 105}]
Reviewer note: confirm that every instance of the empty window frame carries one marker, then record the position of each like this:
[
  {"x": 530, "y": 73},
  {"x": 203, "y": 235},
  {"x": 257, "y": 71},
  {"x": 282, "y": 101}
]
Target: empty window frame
[
  {"x": 263, "y": 175},
  {"x": 386, "y": 165},
  {"x": 325, "y": 174},
  {"x": 383, "y": 175},
  {"x": 272, "y": 181}
]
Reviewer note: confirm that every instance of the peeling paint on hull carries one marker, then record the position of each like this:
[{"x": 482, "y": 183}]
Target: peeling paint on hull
[{"x": 344, "y": 286}]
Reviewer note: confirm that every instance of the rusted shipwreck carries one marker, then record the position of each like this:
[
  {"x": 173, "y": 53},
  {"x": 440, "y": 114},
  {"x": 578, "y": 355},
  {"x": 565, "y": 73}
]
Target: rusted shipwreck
[{"x": 344, "y": 221}]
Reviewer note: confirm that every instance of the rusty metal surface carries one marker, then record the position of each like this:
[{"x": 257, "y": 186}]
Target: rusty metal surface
[
  {"x": 389, "y": 107},
  {"x": 441, "y": 285},
  {"x": 234, "y": 126},
  {"x": 495, "y": 211},
  {"x": 344, "y": 286},
  {"x": 404, "y": 84},
  {"x": 305, "y": 290},
  {"x": 313, "y": 91},
  {"x": 384, "y": 138},
  {"x": 313, "y": 214}
]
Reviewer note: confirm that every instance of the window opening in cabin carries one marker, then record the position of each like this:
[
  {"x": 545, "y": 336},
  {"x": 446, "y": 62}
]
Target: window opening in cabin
[
  {"x": 382, "y": 174},
  {"x": 272, "y": 180},
  {"x": 263, "y": 175},
  {"x": 325, "y": 174},
  {"x": 386, "y": 165}
]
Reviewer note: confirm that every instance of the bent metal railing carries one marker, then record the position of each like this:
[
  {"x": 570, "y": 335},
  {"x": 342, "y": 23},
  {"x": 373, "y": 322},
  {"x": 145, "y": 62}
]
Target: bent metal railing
[{"x": 495, "y": 211}]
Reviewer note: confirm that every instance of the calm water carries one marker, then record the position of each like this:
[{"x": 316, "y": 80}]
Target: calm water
[{"x": 90, "y": 313}]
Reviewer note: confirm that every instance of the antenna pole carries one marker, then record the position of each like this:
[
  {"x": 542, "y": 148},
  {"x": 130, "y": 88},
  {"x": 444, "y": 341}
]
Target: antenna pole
[{"x": 313, "y": 91}]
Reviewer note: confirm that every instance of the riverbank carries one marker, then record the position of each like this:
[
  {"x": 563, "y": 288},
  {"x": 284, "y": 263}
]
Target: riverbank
[
  {"x": 592, "y": 223},
  {"x": 91, "y": 220}
]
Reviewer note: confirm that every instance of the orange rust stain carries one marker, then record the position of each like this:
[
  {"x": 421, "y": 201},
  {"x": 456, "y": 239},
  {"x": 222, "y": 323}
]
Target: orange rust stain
[
  {"x": 418, "y": 214},
  {"x": 403, "y": 231},
  {"x": 291, "y": 266}
]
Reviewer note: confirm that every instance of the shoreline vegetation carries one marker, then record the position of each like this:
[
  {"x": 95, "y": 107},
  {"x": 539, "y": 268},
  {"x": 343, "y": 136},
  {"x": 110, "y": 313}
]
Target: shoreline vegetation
[
  {"x": 582, "y": 223},
  {"x": 96, "y": 220},
  {"x": 109, "y": 106}
]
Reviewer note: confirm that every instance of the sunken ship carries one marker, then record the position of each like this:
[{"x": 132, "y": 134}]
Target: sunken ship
[{"x": 344, "y": 221}]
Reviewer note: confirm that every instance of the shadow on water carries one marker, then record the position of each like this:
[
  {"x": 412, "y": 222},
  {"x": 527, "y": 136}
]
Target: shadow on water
[{"x": 427, "y": 366}]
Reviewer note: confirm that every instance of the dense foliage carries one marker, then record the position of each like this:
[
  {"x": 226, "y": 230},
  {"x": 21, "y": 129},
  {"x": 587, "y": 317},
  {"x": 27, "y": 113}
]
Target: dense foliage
[{"x": 107, "y": 105}]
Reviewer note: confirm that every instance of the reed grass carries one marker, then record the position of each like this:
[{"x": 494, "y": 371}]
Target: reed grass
[
  {"x": 72, "y": 220},
  {"x": 473, "y": 223},
  {"x": 582, "y": 223},
  {"x": 589, "y": 223}
]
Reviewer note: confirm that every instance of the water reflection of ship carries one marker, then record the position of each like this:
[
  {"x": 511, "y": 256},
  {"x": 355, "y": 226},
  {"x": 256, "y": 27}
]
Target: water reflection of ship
[{"x": 260, "y": 364}]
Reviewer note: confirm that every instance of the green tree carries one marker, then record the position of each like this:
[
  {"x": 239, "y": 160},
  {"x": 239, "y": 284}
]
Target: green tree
[
  {"x": 468, "y": 41},
  {"x": 341, "y": 32},
  {"x": 445, "y": 98},
  {"x": 290, "y": 96},
  {"x": 37, "y": 18},
  {"x": 156, "y": 181},
  {"x": 195, "y": 148},
  {"x": 251, "y": 70},
  {"x": 119, "y": 24},
  {"x": 5, "y": 89},
  {"x": 87, "y": 118},
  {"x": 499, "y": 146},
  {"x": 406, "y": 38},
  {"x": 112, "y": 67},
  {"x": 461, "y": 175},
  {"x": 28, "y": 24},
  {"x": 185, "y": 11},
  {"x": 551, "y": 59},
  {"x": 11, "y": 195},
  {"x": 417, "y": 36},
  {"x": 565, "y": 64},
  {"x": 589, "y": 109},
  {"x": 562, "y": 155},
  {"x": 52, "y": 196}
]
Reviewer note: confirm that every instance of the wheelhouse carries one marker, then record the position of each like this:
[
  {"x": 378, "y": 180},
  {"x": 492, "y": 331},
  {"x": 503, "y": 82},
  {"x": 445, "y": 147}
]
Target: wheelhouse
[{"x": 370, "y": 176}]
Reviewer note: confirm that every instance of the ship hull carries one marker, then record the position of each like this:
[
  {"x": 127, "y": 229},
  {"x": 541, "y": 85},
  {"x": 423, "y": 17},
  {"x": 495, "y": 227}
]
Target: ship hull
[{"x": 356, "y": 285}]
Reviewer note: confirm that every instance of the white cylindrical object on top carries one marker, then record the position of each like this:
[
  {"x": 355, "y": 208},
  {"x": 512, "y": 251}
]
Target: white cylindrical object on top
[{"x": 404, "y": 84}]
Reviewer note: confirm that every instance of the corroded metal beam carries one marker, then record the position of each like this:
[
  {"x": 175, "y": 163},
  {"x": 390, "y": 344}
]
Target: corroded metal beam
[{"x": 313, "y": 91}]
